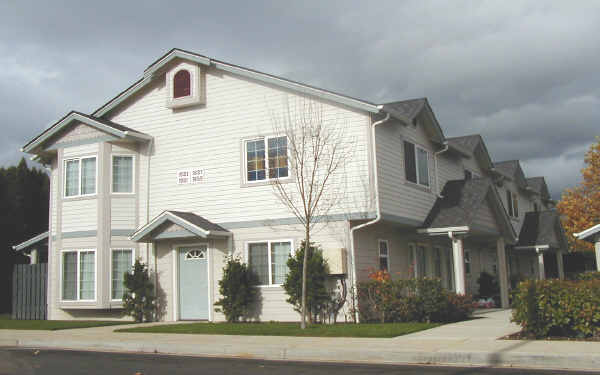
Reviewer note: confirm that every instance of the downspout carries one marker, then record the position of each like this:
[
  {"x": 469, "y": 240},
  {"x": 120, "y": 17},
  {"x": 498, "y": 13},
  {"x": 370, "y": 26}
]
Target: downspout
[
  {"x": 150, "y": 146},
  {"x": 377, "y": 210},
  {"x": 435, "y": 161}
]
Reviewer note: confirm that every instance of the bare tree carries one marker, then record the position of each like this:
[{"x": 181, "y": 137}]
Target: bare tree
[{"x": 317, "y": 148}]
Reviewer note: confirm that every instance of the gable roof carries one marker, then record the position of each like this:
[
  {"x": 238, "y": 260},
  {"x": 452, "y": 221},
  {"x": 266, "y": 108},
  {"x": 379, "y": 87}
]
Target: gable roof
[
  {"x": 589, "y": 234},
  {"x": 542, "y": 228},
  {"x": 538, "y": 184},
  {"x": 150, "y": 71},
  {"x": 512, "y": 168},
  {"x": 106, "y": 126},
  {"x": 191, "y": 222},
  {"x": 461, "y": 202},
  {"x": 408, "y": 110},
  {"x": 42, "y": 237},
  {"x": 475, "y": 146}
]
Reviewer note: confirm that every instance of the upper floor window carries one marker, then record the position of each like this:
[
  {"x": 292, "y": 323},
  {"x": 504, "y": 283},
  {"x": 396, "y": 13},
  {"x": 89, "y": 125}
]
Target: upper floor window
[
  {"x": 122, "y": 174},
  {"x": 416, "y": 164},
  {"x": 266, "y": 159},
  {"x": 268, "y": 260},
  {"x": 384, "y": 255},
  {"x": 182, "y": 84},
  {"x": 512, "y": 202},
  {"x": 80, "y": 176}
]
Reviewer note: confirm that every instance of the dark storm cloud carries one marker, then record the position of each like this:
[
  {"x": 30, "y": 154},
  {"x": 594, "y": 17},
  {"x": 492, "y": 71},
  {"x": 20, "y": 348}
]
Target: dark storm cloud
[{"x": 522, "y": 74}]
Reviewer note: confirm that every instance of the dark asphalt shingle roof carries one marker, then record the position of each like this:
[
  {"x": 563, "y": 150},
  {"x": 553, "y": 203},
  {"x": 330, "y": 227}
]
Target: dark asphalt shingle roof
[
  {"x": 408, "y": 108},
  {"x": 461, "y": 199},
  {"x": 468, "y": 142},
  {"x": 539, "y": 185},
  {"x": 513, "y": 169},
  {"x": 198, "y": 221},
  {"x": 542, "y": 228}
]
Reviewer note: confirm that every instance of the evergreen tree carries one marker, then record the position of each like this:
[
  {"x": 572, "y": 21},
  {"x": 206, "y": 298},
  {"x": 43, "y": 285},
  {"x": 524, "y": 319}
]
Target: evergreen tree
[
  {"x": 238, "y": 288},
  {"x": 318, "y": 298},
  {"x": 138, "y": 300}
]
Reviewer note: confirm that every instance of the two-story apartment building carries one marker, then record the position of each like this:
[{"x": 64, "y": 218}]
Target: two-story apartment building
[{"x": 177, "y": 171}]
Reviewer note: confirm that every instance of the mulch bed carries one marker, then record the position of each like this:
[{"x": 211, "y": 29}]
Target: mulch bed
[{"x": 523, "y": 336}]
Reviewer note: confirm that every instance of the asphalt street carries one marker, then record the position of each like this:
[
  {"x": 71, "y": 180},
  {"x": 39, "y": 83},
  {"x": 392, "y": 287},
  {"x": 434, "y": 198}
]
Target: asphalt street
[{"x": 54, "y": 362}]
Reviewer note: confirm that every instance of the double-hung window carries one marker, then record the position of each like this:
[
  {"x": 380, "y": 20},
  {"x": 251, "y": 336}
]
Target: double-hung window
[
  {"x": 268, "y": 259},
  {"x": 122, "y": 173},
  {"x": 512, "y": 201},
  {"x": 266, "y": 158},
  {"x": 384, "y": 255},
  {"x": 122, "y": 261},
  {"x": 80, "y": 176},
  {"x": 79, "y": 275},
  {"x": 416, "y": 164}
]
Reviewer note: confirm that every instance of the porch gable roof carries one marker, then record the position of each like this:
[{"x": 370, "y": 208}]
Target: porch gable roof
[
  {"x": 462, "y": 204},
  {"x": 42, "y": 237},
  {"x": 542, "y": 228},
  {"x": 192, "y": 225},
  {"x": 588, "y": 234}
]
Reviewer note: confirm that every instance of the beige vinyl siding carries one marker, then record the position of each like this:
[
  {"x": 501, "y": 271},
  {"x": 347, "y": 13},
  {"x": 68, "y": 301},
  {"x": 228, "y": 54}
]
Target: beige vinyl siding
[
  {"x": 122, "y": 214},
  {"x": 82, "y": 150},
  {"x": 398, "y": 196},
  {"x": 79, "y": 215},
  {"x": 449, "y": 168},
  {"x": 210, "y": 137},
  {"x": 76, "y": 133},
  {"x": 54, "y": 192}
]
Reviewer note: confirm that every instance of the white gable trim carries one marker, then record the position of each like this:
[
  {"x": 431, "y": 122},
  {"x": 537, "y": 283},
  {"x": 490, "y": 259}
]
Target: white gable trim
[
  {"x": 263, "y": 77},
  {"x": 32, "y": 241},
  {"x": 168, "y": 216},
  {"x": 583, "y": 235},
  {"x": 74, "y": 116}
]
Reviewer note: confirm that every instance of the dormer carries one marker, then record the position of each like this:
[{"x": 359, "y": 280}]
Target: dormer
[{"x": 185, "y": 85}]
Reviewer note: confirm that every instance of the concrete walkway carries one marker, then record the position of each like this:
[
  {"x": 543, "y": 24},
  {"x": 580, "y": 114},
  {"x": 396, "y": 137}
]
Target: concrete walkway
[{"x": 473, "y": 342}]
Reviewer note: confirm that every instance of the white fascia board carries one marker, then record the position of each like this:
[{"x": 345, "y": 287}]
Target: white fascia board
[
  {"x": 31, "y": 241},
  {"x": 587, "y": 233},
  {"x": 533, "y": 247},
  {"x": 73, "y": 117},
  {"x": 137, "y": 135},
  {"x": 443, "y": 230},
  {"x": 119, "y": 99},
  {"x": 354, "y": 103},
  {"x": 203, "y": 60}
]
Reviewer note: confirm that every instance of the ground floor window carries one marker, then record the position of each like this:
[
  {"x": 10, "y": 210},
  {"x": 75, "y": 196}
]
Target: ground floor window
[
  {"x": 467, "y": 262},
  {"x": 437, "y": 253},
  {"x": 79, "y": 275},
  {"x": 384, "y": 255},
  {"x": 122, "y": 261},
  {"x": 268, "y": 259}
]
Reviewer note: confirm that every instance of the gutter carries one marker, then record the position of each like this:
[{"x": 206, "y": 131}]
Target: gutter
[
  {"x": 377, "y": 207},
  {"x": 435, "y": 161}
]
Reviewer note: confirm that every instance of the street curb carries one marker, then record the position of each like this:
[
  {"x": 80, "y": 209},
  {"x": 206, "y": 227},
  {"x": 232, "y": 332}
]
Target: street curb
[{"x": 347, "y": 355}]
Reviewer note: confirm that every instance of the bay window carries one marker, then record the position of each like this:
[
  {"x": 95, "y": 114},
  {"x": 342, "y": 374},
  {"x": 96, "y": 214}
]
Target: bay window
[
  {"x": 268, "y": 260},
  {"x": 80, "y": 176},
  {"x": 121, "y": 263},
  {"x": 79, "y": 275},
  {"x": 122, "y": 174}
]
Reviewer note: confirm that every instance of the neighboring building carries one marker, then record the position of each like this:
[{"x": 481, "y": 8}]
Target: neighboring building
[
  {"x": 592, "y": 235},
  {"x": 176, "y": 170}
]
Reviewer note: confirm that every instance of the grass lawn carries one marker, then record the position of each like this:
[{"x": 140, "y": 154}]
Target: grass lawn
[
  {"x": 51, "y": 325},
  {"x": 288, "y": 329}
]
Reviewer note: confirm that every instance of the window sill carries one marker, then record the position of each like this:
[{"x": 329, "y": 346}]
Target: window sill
[
  {"x": 79, "y": 198},
  {"x": 426, "y": 189},
  {"x": 78, "y": 305},
  {"x": 286, "y": 180},
  {"x": 276, "y": 286},
  {"x": 122, "y": 195}
]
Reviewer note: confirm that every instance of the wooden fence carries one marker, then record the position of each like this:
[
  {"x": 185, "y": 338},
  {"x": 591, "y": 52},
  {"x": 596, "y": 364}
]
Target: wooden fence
[{"x": 29, "y": 291}]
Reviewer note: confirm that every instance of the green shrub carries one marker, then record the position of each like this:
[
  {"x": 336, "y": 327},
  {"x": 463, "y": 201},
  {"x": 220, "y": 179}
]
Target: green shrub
[
  {"x": 238, "y": 290},
  {"x": 558, "y": 308},
  {"x": 488, "y": 285},
  {"x": 411, "y": 300},
  {"x": 138, "y": 299},
  {"x": 318, "y": 297},
  {"x": 589, "y": 276}
]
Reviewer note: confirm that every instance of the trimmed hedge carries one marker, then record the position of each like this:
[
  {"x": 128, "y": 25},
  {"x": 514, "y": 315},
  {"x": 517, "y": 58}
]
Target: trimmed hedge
[
  {"x": 558, "y": 308},
  {"x": 589, "y": 276},
  {"x": 413, "y": 300}
]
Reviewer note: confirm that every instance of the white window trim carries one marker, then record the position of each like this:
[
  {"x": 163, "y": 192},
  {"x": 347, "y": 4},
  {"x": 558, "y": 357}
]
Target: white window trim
[
  {"x": 112, "y": 160},
  {"x": 418, "y": 183},
  {"x": 79, "y": 159},
  {"x": 111, "y": 268},
  {"x": 387, "y": 256},
  {"x": 192, "y": 88},
  {"x": 265, "y": 140},
  {"x": 412, "y": 248},
  {"x": 268, "y": 258},
  {"x": 78, "y": 251},
  {"x": 511, "y": 204}
]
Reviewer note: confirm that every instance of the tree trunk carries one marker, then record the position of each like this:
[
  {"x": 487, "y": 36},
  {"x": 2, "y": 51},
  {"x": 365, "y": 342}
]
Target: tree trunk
[{"x": 304, "y": 268}]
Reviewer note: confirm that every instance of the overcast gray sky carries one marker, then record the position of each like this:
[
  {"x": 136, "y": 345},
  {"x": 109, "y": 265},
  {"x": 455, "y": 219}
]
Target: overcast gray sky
[{"x": 524, "y": 74}]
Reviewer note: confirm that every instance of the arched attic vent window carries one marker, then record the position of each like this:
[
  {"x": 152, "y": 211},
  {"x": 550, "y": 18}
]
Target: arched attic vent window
[{"x": 182, "y": 84}]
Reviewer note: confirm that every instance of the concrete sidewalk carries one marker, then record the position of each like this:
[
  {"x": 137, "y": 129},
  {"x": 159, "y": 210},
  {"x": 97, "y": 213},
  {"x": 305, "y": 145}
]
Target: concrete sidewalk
[{"x": 474, "y": 342}]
